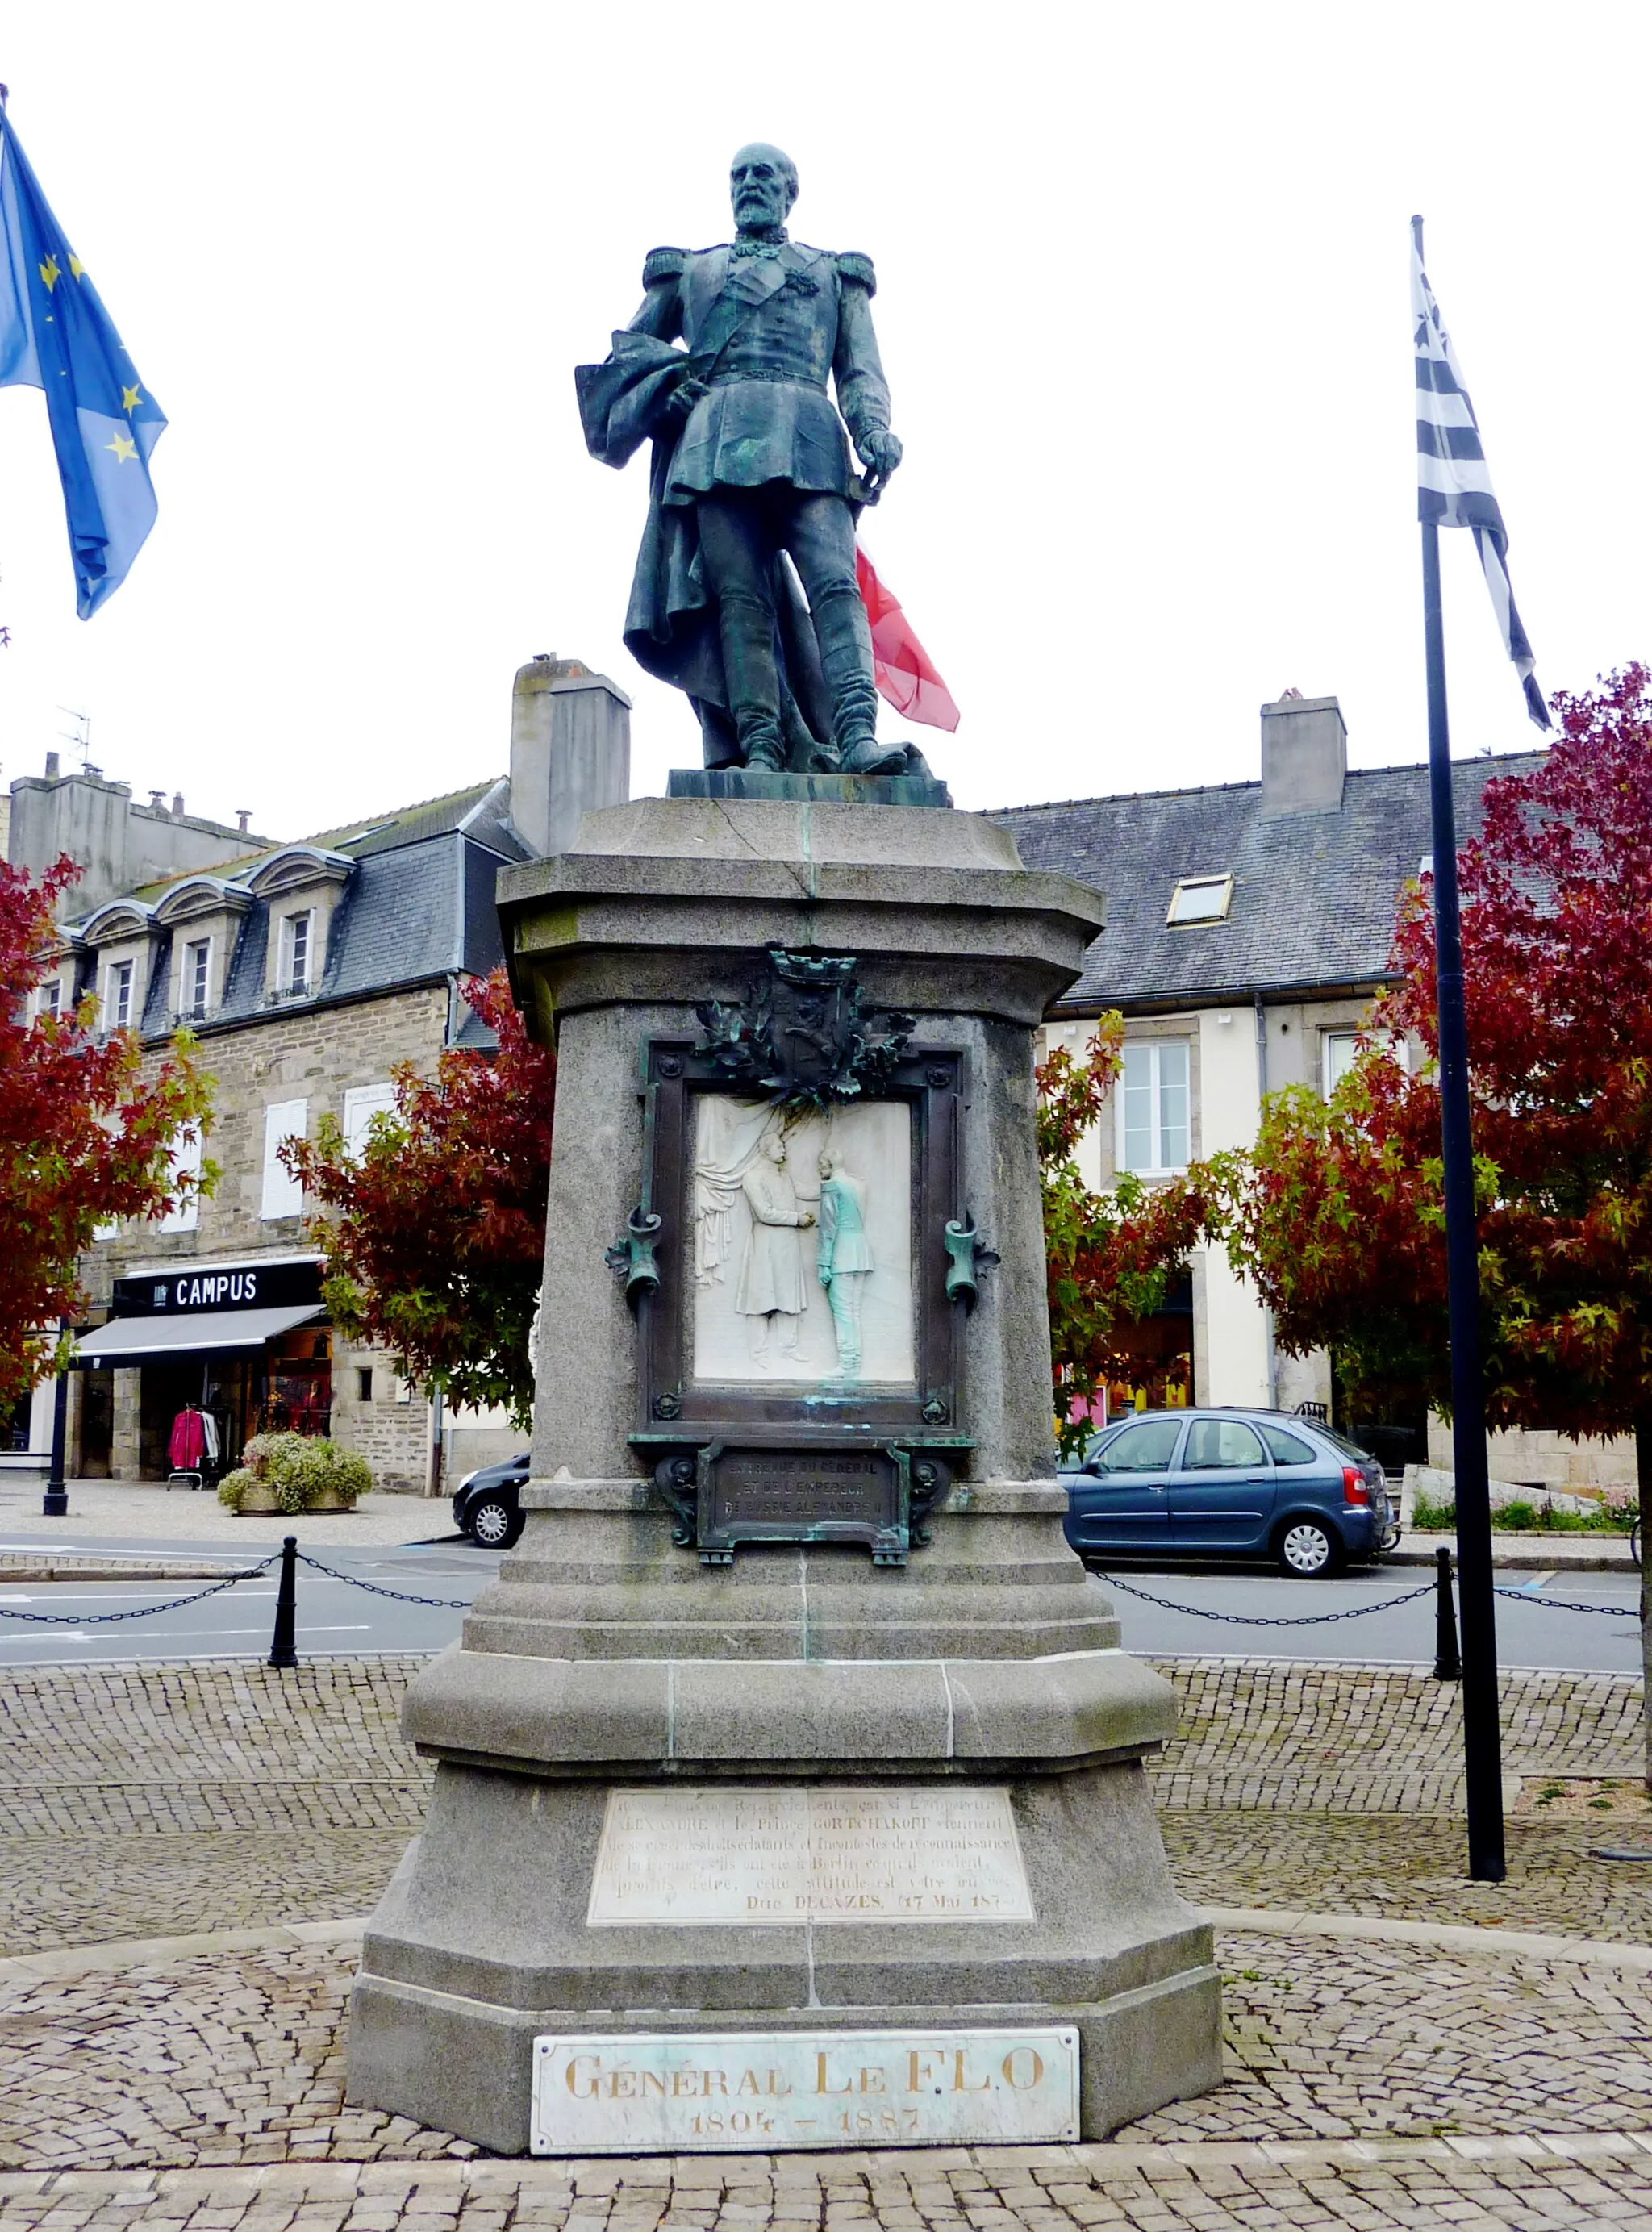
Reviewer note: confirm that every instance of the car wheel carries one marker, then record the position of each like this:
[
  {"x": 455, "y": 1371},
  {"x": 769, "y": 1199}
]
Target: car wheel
[
  {"x": 1306, "y": 1551},
  {"x": 492, "y": 1523}
]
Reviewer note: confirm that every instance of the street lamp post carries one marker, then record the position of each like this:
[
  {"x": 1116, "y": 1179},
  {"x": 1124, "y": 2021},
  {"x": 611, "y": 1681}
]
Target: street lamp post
[{"x": 54, "y": 1502}]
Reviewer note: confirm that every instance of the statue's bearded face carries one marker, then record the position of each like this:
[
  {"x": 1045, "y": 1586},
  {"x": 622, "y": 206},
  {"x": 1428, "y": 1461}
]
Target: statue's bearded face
[{"x": 762, "y": 184}]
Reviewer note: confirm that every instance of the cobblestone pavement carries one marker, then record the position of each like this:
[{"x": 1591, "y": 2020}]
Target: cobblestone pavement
[
  {"x": 238, "y": 1795},
  {"x": 1560, "y": 2186},
  {"x": 239, "y": 2057},
  {"x": 1370, "y": 2083}
]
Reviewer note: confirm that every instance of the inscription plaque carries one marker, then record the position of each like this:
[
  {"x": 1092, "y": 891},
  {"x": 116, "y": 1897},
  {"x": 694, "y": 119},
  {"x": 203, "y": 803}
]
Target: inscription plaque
[
  {"x": 933, "y": 1852},
  {"x": 788, "y": 1495},
  {"x": 714, "y": 2092}
]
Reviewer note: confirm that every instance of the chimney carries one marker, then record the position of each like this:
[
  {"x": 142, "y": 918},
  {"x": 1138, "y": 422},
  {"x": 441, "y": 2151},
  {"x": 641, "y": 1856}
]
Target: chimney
[
  {"x": 1304, "y": 756},
  {"x": 570, "y": 749},
  {"x": 52, "y": 765},
  {"x": 157, "y": 801},
  {"x": 177, "y": 802},
  {"x": 243, "y": 817}
]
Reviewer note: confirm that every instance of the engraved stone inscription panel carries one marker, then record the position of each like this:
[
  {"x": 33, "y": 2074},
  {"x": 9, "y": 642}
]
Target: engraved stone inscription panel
[
  {"x": 736, "y": 2092},
  {"x": 934, "y": 1852}
]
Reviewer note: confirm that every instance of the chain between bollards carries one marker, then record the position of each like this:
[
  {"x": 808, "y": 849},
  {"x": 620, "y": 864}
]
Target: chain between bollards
[
  {"x": 1447, "y": 1660},
  {"x": 283, "y": 1648}
]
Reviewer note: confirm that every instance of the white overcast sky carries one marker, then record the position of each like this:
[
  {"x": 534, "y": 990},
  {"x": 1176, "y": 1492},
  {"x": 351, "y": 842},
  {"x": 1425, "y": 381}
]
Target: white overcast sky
[{"x": 1142, "y": 304}]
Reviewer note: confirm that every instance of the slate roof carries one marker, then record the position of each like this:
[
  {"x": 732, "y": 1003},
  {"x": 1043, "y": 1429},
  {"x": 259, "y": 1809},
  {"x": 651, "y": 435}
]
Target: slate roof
[
  {"x": 416, "y": 908},
  {"x": 1313, "y": 893}
]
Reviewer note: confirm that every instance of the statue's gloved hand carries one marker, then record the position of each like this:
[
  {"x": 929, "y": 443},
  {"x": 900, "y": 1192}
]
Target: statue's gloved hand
[
  {"x": 825, "y": 1275},
  {"x": 681, "y": 399},
  {"x": 880, "y": 452}
]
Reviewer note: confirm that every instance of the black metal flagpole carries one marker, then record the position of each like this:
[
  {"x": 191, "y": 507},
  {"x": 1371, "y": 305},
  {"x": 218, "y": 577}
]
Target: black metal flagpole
[{"x": 1482, "y": 1742}]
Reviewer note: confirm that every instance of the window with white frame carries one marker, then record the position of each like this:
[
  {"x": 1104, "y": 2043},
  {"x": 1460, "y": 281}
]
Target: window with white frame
[
  {"x": 117, "y": 996},
  {"x": 283, "y": 1196},
  {"x": 198, "y": 977},
  {"x": 1200, "y": 899},
  {"x": 1337, "y": 1053},
  {"x": 183, "y": 1159},
  {"x": 1153, "y": 1106},
  {"x": 49, "y": 997},
  {"x": 362, "y": 1104},
  {"x": 296, "y": 941}
]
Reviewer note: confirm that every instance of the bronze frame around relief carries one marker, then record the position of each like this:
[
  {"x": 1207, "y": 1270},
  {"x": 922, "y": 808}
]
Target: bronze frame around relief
[{"x": 684, "y": 1427}]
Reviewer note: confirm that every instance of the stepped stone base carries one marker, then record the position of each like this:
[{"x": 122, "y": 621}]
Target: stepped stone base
[{"x": 553, "y": 1700}]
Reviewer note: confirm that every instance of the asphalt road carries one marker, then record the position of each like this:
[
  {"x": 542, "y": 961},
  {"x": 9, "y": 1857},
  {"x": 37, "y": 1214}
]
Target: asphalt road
[
  {"x": 335, "y": 1617},
  {"x": 332, "y": 1616},
  {"x": 1531, "y": 1628}
]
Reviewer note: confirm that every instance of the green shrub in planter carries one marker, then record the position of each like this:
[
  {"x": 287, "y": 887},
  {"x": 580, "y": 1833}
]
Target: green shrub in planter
[
  {"x": 234, "y": 1486},
  {"x": 302, "y": 1469}
]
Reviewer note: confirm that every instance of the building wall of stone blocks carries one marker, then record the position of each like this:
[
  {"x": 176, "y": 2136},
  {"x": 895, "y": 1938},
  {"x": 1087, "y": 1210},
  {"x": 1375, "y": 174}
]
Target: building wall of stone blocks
[{"x": 316, "y": 1055}]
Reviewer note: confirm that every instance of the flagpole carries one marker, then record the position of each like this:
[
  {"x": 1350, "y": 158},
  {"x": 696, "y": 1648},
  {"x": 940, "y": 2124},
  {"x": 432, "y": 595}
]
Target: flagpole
[{"x": 1482, "y": 1742}]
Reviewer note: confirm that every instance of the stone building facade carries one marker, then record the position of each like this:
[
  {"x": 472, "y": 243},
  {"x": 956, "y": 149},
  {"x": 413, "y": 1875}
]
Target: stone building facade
[
  {"x": 1248, "y": 930},
  {"x": 308, "y": 972}
]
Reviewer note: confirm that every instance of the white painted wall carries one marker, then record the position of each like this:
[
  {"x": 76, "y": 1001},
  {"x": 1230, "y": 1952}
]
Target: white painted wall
[{"x": 1236, "y": 1327}]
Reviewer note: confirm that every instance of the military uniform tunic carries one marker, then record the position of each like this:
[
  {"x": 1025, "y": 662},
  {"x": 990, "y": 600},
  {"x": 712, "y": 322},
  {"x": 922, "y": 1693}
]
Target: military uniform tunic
[{"x": 766, "y": 329}]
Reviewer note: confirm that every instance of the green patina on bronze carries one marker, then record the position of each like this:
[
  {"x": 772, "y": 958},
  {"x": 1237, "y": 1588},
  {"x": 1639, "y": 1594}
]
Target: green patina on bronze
[{"x": 745, "y": 594}]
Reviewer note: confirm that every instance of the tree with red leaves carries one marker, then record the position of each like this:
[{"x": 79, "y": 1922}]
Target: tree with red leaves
[
  {"x": 83, "y": 1139},
  {"x": 1341, "y": 1222},
  {"x": 435, "y": 1245},
  {"x": 1110, "y": 1255}
]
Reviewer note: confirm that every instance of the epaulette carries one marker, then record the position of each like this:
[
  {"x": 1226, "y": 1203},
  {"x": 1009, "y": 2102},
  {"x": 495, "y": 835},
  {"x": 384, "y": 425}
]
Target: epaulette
[
  {"x": 662, "y": 263},
  {"x": 857, "y": 270}
]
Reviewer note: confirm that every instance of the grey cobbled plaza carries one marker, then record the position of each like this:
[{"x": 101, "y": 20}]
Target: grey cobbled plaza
[{"x": 1400, "y": 2047}]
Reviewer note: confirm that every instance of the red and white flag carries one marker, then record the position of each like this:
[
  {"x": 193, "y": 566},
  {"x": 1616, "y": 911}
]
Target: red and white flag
[{"x": 903, "y": 670}]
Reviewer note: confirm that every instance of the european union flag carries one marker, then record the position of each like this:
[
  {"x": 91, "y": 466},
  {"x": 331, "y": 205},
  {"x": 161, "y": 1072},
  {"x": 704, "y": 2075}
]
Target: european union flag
[{"x": 55, "y": 334}]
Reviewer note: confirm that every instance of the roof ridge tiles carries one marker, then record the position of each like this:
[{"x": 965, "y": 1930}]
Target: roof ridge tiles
[{"x": 1527, "y": 755}]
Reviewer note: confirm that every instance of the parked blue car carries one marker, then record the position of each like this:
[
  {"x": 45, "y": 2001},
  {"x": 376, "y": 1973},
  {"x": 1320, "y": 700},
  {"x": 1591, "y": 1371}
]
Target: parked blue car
[{"x": 1253, "y": 1483}]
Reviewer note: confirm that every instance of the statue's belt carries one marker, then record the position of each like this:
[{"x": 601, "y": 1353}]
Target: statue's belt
[{"x": 729, "y": 375}]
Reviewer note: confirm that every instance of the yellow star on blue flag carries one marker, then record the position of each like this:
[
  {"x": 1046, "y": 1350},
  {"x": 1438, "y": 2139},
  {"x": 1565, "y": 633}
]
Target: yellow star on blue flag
[{"x": 55, "y": 334}]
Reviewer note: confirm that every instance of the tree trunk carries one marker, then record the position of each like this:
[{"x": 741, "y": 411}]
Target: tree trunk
[{"x": 1643, "y": 1480}]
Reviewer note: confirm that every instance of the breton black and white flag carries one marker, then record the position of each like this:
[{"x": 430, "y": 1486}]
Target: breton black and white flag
[{"x": 1454, "y": 487}]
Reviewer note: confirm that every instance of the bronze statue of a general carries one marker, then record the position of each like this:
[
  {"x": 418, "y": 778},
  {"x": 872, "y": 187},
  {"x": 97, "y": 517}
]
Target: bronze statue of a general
[{"x": 745, "y": 593}]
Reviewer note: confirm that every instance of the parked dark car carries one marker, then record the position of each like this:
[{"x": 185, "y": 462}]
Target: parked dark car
[
  {"x": 1252, "y": 1483},
  {"x": 486, "y": 1505}
]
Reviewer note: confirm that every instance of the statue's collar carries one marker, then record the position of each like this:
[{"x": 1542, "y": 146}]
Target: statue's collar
[{"x": 763, "y": 240}]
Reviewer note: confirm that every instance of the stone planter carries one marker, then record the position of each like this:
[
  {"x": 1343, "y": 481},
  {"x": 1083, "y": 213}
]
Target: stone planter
[
  {"x": 333, "y": 1501},
  {"x": 259, "y": 1501}
]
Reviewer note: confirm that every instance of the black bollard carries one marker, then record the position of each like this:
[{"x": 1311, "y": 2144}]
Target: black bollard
[
  {"x": 1447, "y": 1660},
  {"x": 283, "y": 1649}
]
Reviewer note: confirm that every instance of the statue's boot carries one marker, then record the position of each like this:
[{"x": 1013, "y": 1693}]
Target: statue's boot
[
  {"x": 746, "y": 626},
  {"x": 845, "y": 635}
]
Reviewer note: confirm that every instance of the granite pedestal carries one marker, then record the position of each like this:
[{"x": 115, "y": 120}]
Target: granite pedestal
[{"x": 608, "y": 1659}]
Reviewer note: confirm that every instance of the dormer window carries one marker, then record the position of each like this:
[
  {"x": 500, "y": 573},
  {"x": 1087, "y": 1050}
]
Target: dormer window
[
  {"x": 295, "y": 951},
  {"x": 198, "y": 978},
  {"x": 50, "y": 1000},
  {"x": 118, "y": 996}
]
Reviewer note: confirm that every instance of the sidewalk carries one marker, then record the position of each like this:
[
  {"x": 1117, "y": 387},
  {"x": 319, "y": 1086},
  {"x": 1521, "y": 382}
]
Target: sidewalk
[
  {"x": 1528, "y": 1553},
  {"x": 104, "y": 1510}
]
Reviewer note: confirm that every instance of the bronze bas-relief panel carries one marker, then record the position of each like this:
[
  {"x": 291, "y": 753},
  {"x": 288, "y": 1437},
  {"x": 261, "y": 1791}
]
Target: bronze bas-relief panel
[{"x": 794, "y": 1307}]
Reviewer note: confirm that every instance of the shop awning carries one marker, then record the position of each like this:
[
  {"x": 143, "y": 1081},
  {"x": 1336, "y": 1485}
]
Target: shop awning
[{"x": 157, "y": 1339}]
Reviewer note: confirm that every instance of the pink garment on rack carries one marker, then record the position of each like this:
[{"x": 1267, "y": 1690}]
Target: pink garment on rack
[{"x": 189, "y": 1440}]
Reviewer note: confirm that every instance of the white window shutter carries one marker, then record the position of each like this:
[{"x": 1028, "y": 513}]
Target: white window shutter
[
  {"x": 362, "y": 1104},
  {"x": 184, "y": 1157},
  {"x": 282, "y": 1194}
]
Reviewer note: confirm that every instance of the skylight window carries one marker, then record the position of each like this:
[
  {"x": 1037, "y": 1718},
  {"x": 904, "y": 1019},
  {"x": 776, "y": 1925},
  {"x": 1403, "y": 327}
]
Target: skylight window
[{"x": 1200, "y": 899}]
